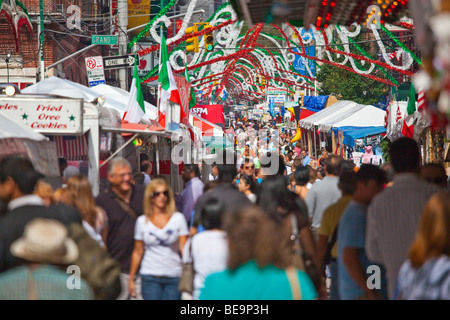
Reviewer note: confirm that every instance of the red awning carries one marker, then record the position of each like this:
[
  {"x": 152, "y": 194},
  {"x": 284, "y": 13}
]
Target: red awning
[
  {"x": 71, "y": 147},
  {"x": 134, "y": 127},
  {"x": 305, "y": 113}
]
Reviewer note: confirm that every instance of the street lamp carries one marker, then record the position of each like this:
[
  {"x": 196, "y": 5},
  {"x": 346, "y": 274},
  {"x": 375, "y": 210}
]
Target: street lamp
[{"x": 8, "y": 56}]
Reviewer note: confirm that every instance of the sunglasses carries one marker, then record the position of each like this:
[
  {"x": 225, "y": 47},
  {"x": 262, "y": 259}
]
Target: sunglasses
[
  {"x": 249, "y": 167},
  {"x": 157, "y": 193}
]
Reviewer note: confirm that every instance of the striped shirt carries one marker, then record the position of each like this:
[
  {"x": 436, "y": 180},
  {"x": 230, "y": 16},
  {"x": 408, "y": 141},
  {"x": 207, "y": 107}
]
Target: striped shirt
[
  {"x": 431, "y": 281},
  {"x": 392, "y": 222}
]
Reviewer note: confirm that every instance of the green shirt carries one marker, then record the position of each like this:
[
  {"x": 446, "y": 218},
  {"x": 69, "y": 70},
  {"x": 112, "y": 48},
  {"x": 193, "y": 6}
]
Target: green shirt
[{"x": 249, "y": 282}]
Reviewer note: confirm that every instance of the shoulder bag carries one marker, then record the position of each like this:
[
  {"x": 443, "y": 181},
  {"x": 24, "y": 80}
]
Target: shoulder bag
[
  {"x": 186, "y": 283},
  {"x": 328, "y": 258},
  {"x": 126, "y": 207},
  {"x": 301, "y": 259},
  {"x": 292, "y": 276}
]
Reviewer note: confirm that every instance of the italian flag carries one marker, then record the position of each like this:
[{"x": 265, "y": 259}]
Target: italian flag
[
  {"x": 411, "y": 108},
  {"x": 135, "y": 107},
  {"x": 408, "y": 126},
  {"x": 409, "y": 121},
  {"x": 168, "y": 90},
  {"x": 192, "y": 100}
]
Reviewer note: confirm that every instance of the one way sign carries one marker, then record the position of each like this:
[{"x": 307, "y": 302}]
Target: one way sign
[{"x": 117, "y": 62}]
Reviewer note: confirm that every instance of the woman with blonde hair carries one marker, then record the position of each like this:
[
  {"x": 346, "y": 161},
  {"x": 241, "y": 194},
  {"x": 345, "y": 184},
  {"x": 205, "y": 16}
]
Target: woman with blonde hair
[
  {"x": 160, "y": 235},
  {"x": 425, "y": 275},
  {"x": 78, "y": 193}
]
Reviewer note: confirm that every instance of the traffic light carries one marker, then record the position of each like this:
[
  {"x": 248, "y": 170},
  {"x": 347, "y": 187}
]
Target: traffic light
[
  {"x": 263, "y": 80},
  {"x": 193, "y": 39},
  {"x": 137, "y": 142},
  {"x": 209, "y": 39}
]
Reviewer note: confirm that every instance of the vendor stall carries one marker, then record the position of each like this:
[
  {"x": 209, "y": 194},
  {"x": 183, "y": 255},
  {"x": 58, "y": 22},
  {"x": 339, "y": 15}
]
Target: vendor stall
[
  {"x": 59, "y": 118},
  {"x": 365, "y": 125},
  {"x": 314, "y": 126},
  {"x": 102, "y": 136},
  {"x": 114, "y": 97},
  {"x": 342, "y": 123},
  {"x": 17, "y": 139}
]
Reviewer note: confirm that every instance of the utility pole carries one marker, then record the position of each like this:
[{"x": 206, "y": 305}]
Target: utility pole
[
  {"x": 163, "y": 4},
  {"x": 41, "y": 41},
  {"x": 122, "y": 11}
]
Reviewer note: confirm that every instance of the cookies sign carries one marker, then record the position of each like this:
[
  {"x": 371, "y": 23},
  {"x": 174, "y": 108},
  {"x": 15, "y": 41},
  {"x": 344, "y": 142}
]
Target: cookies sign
[{"x": 46, "y": 115}]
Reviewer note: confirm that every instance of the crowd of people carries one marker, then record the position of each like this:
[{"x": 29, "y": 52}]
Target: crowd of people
[{"x": 316, "y": 227}]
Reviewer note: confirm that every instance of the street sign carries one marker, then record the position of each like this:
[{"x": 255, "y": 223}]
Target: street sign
[
  {"x": 95, "y": 70},
  {"x": 117, "y": 62},
  {"x": 276, "y": 92},
  {"x": 104, "y": 39}
]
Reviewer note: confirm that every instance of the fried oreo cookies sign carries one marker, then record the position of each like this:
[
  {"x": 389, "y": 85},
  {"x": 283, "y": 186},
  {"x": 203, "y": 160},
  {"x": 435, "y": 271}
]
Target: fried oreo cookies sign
[{"x": 46, "y": 114}]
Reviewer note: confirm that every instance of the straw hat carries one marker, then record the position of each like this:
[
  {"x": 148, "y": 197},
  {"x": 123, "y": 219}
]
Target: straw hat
[{"x": 45, "y": 241}]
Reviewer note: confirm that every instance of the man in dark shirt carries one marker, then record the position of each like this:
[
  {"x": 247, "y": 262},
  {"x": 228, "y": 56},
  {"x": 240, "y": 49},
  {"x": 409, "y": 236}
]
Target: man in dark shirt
[
  {"x": 225, "y": 191},
  {"x": 123, "y": 203},
  {"x": 17, "y": 182}
]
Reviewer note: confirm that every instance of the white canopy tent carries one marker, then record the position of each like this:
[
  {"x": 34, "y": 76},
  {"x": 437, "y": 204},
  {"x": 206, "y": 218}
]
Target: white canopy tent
[
  {"x": 326, "y": 123},
  {"x": 122, "y": 96},
  {"x": 347, "y": 115},
  {"x": 115, "y": 98},
  {"x": 367, "y": 116},
  {"x": 338, "y": 109},
  {"x": 17, "y": 139},
  {"x": 9, "y": 128}
]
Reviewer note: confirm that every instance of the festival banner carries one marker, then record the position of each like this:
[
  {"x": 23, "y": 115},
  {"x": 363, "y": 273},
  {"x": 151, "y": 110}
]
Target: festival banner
[{"x": 211, "y": 112}]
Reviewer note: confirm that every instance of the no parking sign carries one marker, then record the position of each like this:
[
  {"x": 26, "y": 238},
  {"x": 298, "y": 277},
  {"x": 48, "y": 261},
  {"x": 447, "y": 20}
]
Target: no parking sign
[{"x": 95, "y": 72}]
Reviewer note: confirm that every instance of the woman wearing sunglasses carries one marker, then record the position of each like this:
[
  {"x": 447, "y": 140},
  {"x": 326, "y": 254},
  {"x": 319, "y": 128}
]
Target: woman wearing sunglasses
[
  {"x": 160, "y": 235},
  {"x": 247, "y": 185}
]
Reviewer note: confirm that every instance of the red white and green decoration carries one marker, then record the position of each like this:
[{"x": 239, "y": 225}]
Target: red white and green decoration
[
  {"x": 17, "y": 15},
  {"x": 237, "y": 60}
]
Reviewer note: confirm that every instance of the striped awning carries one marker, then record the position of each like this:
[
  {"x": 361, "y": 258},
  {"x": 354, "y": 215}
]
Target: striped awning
[{"x": 71, "y": 147}]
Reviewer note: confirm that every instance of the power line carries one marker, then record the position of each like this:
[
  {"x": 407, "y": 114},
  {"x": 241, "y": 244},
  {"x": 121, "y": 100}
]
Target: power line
[
  {"x": 73, "y": 60},
  {"x": 69, "y": 34},
  {"x": 101, "y": 15},
  {"x": 63, "y": 27}
]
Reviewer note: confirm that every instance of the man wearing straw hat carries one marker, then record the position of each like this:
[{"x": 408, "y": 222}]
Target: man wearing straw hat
[{"x": 47, "y": 251}]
